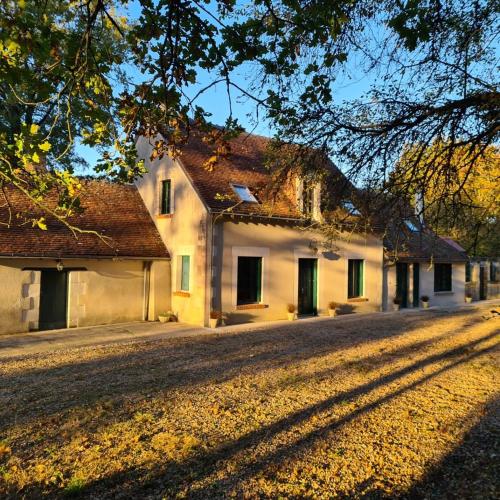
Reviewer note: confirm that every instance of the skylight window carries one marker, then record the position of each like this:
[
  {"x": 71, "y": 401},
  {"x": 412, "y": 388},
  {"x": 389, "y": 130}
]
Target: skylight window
[
  {"x": 349, "y": 206},
  {"x": 244, "y": 193},
  {"x": 411, "y": 226}
]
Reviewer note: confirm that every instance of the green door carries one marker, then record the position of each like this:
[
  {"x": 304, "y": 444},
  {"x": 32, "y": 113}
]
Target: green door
[
  {"x": 402, "y": 283},
  {"x": 307, "y": 286},
  {"x": 53, "y": 298},
  {"x": 416, "y": 284}
]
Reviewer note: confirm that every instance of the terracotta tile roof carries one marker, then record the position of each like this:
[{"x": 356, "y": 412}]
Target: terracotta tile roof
[
  {"x": 424, "y": 245},
  {"x": 245, "y": 165},
  {"x": 113, "y": 210}
]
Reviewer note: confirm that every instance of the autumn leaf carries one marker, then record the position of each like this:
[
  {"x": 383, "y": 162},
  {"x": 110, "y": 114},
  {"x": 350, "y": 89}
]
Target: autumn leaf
[
  {"x": 45, "y": 146},
  {"x": 41, "y": 224}
]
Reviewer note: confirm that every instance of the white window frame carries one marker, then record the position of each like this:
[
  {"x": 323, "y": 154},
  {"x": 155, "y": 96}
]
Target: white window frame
[
  {"x": 299, "y": 188},
  {"x": 250, "y": 196},
  {"x": 263, "y": 253}
]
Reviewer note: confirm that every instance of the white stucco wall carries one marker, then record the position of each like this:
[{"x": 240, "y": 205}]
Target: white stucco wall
[
  {"x": 281, "y": 247},
  {"x": 455, "y": 297},
  {"x": 106, "y": 292},
  {"x": 184, "y": 232}
]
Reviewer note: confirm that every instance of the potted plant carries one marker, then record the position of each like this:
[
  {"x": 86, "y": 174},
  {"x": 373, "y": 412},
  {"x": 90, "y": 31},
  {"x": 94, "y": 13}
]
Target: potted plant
[
  {"x": 291, "y": 311},
  {"x": 468, "y": 297},
  {"x": 397, "y": 303},
  {"x": 332, "y": 309},
  {"x": 163, "y": 317},
  {"x": 214, "y": 318},
  {"x": 425, "y": 301}
]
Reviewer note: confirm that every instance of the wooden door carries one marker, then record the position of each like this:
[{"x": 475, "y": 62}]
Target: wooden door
[
  {"x": 307, "y": 286},
  {"x": 402, "y": 283},
  {"x": 53, "y": 299}
]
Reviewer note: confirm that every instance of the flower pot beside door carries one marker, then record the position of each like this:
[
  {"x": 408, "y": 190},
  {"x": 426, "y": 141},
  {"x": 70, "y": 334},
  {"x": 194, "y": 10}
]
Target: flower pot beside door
[
  {"x": 332, "y": 309},
  {"x": 291, "y": 312},
  {"x": 468, "y": 298},
  {"x": 425, "y": 301},
  {"x": 214, "y": 319},
  {"x": 397, "y": 303}
]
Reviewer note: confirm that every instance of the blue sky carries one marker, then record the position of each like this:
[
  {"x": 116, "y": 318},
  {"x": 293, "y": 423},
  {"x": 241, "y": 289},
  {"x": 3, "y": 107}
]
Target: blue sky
[{"x": 352, "y": 84}]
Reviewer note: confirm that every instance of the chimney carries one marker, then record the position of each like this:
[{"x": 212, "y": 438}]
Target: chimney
[{"x": 419, "y": 206}]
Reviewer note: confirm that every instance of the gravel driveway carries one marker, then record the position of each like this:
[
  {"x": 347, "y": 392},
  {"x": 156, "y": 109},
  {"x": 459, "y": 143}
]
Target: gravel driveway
[{"x": 401, "y": 405}]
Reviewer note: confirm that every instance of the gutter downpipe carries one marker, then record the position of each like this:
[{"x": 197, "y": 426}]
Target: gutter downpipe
[
  {"x": 209, "y": 265},
  {"x": 147, "y": 289}
]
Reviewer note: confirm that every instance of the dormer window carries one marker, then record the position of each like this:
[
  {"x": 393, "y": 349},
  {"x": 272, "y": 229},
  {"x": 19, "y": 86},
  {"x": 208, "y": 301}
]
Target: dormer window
[
  {"x": 244, "y": 194},
  {"x": 308, "y": 198},
  {"x": 411, "y": 226}
]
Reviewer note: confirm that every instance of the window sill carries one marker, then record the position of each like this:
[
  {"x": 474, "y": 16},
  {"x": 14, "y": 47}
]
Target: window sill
[
  {"x": 164, "y": 216},
  {"x": 251, "y": 306},
  {"x": 181, "y": 293},
  {"x": 357, "y": 299},
  {"x": 445, "y": 292}
]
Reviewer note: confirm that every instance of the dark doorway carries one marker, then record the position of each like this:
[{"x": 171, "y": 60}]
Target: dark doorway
[
  {"x": 307, "y": 286},
  {"x": 402, "y": 283},
  {"x": 53, "y": 299},
  {"x": 483, "y": 282},
  {"x": 416, "y": 284}
]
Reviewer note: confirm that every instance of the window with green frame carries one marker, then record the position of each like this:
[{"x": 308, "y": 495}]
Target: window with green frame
[
  {"x": 249, "y": 280},
  {"x": 468, "y": 272},
  {"x": 166, "y": 197},
  {"x": 185, "y": 264},
  {"x": 493, "y": 271},
  {"x": 442, "y": 277},
  {"x": 355, "y": 278}
]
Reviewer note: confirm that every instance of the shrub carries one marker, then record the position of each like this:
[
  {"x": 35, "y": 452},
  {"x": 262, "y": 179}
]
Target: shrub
[
  {"x": 332, "y": 305},
  {"x": 291, "y": 308},
  {"x": 397, "y": 300},
  {"x": 424, "y": 298},
  {"x": 468, "y": 295},
  {"x": 215, "y": 314}
]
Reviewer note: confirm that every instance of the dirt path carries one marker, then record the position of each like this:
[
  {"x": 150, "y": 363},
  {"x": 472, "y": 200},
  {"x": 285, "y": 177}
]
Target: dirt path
[{"x": 393, "y": 405}]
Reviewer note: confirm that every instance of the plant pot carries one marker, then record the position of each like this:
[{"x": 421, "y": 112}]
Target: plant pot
[
  {"x": 163, "y": 319},
  {"x": 396, "y": 307},
  {"x": 213, "y": 322},
  {"x": 291, "y": 316},
  {"x": 468, "y": 300},
  {"x": 425, "y": 305},
  {"x": 332, "y": 313}
]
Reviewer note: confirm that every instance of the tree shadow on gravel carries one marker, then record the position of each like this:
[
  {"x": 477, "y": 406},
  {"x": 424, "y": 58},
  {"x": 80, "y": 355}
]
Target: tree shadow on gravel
[
  {"x": 472, "y": 469},
  {"x": 170, "y": 479},
  {"x": 159, "y": 366}
]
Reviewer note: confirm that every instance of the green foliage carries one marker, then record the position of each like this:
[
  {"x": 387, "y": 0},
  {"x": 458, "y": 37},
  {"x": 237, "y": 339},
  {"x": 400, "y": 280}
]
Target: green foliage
[{"x": 65, "y": 77}]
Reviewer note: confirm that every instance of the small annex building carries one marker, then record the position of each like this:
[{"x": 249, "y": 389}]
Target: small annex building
[
  {"x": 56, "y": 279},
  {"x": 419, "y": 263}
]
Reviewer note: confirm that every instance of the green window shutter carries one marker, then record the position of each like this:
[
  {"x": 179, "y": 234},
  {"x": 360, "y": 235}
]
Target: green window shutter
[
  {"x": 258, "y": 281},
  {"x": 165, "y": 196},
  {"x": 355, "y": 278},
  {"x": 468, "y": 271},
  {"x": 185, "y": 273},
  {"x": 360, "y": 278}
]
